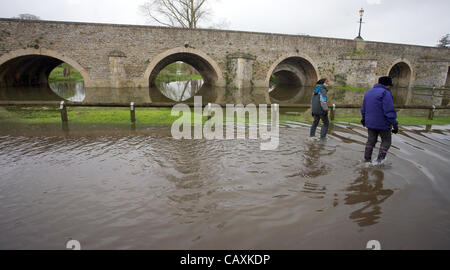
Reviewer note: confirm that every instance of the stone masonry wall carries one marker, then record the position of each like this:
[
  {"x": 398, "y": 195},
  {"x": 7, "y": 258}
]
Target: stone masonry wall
[{"x": 93, "y": 47}]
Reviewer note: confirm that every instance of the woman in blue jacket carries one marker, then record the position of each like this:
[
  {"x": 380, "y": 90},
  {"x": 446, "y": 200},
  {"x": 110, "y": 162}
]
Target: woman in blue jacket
[
  {"x": 379, "y": 116},
  {"x": 319, "y": 108}
]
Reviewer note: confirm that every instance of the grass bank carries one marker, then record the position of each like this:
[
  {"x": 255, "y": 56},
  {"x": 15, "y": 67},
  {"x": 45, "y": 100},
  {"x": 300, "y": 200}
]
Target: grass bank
[
  {"x": 153, "y": 116},
  {"x": 403, "y": 120},
  {"x": 85, "y": 115},
  {"x": 72, "y": 75}
]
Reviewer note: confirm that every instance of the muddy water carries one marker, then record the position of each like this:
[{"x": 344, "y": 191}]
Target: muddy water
[
  {"x": 73, "y": 91},
  {"x": 401, "y": 96},
  {"x": 144, "y": 190}
]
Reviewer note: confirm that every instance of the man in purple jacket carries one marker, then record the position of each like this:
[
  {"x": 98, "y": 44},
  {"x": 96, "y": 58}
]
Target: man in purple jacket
[{"x": 379, "y": 116}]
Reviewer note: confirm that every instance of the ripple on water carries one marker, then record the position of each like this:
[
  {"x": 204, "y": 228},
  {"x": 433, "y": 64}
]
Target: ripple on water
[{"x": 146, "y": 190}]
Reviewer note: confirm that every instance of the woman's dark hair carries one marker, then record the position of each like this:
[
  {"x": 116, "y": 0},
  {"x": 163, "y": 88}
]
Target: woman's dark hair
[{"x": 322, "y": 81}]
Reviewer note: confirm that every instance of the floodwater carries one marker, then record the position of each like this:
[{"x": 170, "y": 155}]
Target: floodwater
[
  {"x": 142, "y": 189},
  {"x": 180, "y": 90},
  {"x": 113, "y": 188},
  {"x": 401, "y": 96},
  {"x": 184, "y": 91},
  {"x": 72, "y": 91}
]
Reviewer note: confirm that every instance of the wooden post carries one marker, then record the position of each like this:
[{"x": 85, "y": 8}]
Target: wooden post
[
  {"x": 431, "y": 114},
  {"x": 132, "y": 113},
  {"x": 333, "y": 110},
  {"x": 63, "y": 109}
]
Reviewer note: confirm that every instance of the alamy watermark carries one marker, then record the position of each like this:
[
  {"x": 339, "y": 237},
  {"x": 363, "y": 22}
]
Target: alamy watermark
[
  {"x": 259, "y": 127},
  {"x": 373, "y": 245},
  {"x": 73, "y": 245}
]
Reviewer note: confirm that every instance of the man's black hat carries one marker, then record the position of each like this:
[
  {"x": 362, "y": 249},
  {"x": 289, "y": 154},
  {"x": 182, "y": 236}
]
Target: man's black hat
[{"x": 386, "y": 81}]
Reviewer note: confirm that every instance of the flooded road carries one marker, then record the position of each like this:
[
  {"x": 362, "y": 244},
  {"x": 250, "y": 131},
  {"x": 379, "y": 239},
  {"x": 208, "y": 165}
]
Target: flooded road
[{"x": 144, "y": 190}]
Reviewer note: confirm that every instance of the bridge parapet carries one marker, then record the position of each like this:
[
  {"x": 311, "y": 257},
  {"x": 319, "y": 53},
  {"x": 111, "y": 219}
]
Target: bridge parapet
[{"x": 122, "y": 56}]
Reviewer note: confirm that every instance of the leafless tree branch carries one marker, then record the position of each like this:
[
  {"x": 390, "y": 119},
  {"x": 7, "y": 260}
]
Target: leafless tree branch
[
  {"x": 176, "y": 13},
  {"x": 27, "y": 17}
]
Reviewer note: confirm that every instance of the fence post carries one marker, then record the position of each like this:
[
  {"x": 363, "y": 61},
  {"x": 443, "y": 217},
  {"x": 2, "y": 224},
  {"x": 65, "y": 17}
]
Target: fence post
[
  {"x": 431, "y": 114},
  {"x": 132, "y": 113},
  {"x": 63, "y": 109},
  {"x": 333, "y": 110}
]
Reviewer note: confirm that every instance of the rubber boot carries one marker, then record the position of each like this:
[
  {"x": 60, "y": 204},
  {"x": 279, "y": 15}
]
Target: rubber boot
[
  {"x": 368, "y": 153},
  {"x": 382, "y": 154}
]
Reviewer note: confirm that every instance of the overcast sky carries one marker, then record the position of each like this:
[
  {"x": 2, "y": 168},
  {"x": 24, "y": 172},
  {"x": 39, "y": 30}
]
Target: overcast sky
[{"x": 420, "y": 22}]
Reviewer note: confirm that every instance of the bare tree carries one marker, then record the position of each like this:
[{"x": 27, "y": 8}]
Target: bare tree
[
  {"x": 221, "y": 24},
  {"x": 444, "y": 42},
  {"x": 176, "y": 13},
  {"x": 27, "y": 17}
]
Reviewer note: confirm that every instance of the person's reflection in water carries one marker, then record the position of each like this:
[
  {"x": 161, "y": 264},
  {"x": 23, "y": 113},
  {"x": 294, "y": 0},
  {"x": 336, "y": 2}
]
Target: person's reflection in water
[
  {"x": 368, "y": 191},
  {"x": 65, "y": 127},
  {"x": 315, "y": 167}
]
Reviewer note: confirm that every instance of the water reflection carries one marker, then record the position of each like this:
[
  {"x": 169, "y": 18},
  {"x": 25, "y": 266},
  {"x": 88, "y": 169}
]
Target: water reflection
[
  {"x": 184, "y": 91},
  {"x": 28, "y": 94},
  {"x": 400, "y": 95},
  {"x": 302, "y": 95},
  {"x": 117, "y": 95},
  {"x": 283, "y": 94},
  {"x": 445, "y": 98},
  {"x": 180, "y": 90},
  {"x": 339, "y": 96},
  {"x": 367, "y": 191},
  {"x": 315, "y": 167},
  {"x": 72, "y": 91}
]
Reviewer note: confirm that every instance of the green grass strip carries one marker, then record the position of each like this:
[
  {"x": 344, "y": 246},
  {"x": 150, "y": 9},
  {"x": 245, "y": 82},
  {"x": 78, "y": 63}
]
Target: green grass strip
[{"x": 158, "y": 116}]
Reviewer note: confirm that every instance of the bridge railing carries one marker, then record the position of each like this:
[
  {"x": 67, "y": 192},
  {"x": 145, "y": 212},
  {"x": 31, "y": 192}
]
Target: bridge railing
[{"x": 64, "y": 117}]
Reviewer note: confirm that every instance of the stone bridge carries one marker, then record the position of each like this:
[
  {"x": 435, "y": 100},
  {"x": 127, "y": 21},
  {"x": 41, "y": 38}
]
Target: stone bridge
[{"x": 129, "y": 56}]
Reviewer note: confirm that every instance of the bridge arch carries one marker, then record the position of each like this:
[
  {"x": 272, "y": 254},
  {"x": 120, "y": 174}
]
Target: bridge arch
[
  {"x": 203, "y": 63},
  {"x": 28, "y": 67},
  {"x": 401, "y": 72},
  {"x": 295, "y": 69}
]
